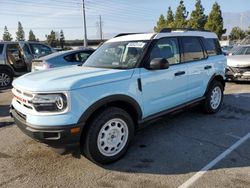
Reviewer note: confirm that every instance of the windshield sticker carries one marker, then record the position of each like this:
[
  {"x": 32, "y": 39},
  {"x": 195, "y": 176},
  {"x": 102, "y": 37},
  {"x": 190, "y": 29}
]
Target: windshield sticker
[{"x": 136, "y": 44}]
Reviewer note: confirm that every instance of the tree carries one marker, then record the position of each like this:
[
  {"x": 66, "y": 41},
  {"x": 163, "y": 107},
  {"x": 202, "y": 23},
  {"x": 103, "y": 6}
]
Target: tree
[
  {"x": 160, "y": 24},
  {"x": 197, "y": 19},
  {"x": 62, "y": 39},
  {"x": 32, "y": 36},
  {"x": 248, "y": 31},
  {"x": 181, "y": 15},
  {"x": 237, "y": 34},
  {"x": 20, "y": 36},
  {"x": 51, "y": 39},
  {"x": 170, "y": 18},
  {"x": 6, "y": 34},
  {"x": 215, "y": 21}
]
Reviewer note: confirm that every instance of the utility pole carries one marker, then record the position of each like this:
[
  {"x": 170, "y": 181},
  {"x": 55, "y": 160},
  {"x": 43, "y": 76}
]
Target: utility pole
[
  {"x": 100, "y": 26},
  {"x": 85, "y": 44}
]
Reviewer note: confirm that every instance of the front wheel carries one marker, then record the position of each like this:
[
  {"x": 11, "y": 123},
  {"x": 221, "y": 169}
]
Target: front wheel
[
  {"x": 214, "y": 98},
  {"x": 108, "y": 136}
]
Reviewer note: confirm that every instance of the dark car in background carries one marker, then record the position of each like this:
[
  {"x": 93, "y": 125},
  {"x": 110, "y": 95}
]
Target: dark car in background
[
  {"x": 62, "y": 58},
  {"x": 16, "y": 58}
]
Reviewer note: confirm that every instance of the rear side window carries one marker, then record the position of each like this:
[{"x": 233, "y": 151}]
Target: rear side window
[
  {"x": 212, "y": 46},
  {"x": 192, "y": 49},
  {"x": 1, "y": 48}
]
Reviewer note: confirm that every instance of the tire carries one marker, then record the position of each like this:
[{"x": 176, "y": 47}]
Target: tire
[
  {"x": 214, "y": 98},
  {"x": 108, "y": 136},
  {"x": 5, "y": 78}
]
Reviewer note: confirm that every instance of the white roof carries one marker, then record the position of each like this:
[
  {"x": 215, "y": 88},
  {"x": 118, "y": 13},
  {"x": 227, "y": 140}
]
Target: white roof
[
  {"x": 148, "y": 36},
  {"x": 134, "y": 37}
]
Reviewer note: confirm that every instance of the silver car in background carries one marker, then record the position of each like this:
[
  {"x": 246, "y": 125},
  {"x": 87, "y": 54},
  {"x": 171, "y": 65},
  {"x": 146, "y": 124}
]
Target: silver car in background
[
  {"x": 16, "y": 58},
  {"x": 238, "y": 64},
  {"x": 62, "y": 58}
]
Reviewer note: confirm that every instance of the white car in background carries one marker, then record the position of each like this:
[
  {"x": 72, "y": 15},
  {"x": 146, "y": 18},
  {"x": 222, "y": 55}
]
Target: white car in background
[{"x": 238, "y": 64}]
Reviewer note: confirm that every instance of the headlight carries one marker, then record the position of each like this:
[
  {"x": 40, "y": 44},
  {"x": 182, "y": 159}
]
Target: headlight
[{"x": 50, "y": 102}]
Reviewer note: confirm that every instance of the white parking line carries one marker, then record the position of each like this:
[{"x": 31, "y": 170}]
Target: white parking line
[
  {"x": 199, "y": 174},
  {"x": 6, "y": 119}
]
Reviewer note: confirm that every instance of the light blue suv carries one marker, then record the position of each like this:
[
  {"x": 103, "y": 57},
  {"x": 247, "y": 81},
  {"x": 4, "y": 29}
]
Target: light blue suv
[{"x": 129, "y": 80}]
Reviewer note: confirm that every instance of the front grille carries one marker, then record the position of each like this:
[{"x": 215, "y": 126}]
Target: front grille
[
  {"x": 240, "y": 69},
  {"x": 23, "y": 98}
]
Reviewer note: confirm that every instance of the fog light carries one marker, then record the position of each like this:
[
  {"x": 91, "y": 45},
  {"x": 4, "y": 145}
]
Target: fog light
[{"x": 75, "y": 130}]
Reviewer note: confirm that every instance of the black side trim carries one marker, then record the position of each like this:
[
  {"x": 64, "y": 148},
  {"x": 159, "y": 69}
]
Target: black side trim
[
  {"x": 139, "y": 84},
  {"x": 157, "y": 115},
  {"x": 109, "y": 99}
]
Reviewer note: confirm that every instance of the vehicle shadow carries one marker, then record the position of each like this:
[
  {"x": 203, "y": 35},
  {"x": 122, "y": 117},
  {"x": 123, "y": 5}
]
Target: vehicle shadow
[
  {"x": 240, "y": 82},
  {"x": 187, "y": 141},
  {"x": 5, "y": 119},
  {"x": 4, "y": 110}
]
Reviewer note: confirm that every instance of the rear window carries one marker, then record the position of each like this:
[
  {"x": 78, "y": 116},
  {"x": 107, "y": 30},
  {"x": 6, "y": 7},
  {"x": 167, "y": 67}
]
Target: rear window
[
  {"x": 212, "y": 46},
  {"x": 78, "y": 57},
  {"x": 1, "y": 48},
  {"x": 192, "y": 49}
]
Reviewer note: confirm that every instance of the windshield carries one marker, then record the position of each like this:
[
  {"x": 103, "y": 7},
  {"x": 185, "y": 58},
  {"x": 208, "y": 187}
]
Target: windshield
[
  {"x": 117, "y": 55},
  {"x": 242, "y": 51}
]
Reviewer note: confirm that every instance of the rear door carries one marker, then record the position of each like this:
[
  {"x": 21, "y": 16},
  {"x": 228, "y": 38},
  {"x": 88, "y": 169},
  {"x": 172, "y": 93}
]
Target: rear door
[
  {"x": 2, "y": 61},
  {"x": 194, "y": 56},
  {"x": 164, "y": 89},
  {"x": 15, "y": 57},
  {"x": 28, "y": 57}
]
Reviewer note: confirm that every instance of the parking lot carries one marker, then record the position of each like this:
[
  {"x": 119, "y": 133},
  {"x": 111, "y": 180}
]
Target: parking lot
[{"x": 167, "y": 153}]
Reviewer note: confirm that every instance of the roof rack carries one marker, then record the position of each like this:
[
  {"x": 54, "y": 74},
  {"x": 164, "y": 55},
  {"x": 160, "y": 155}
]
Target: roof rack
[
  {"x": 168, "y": 30},
  {"x": 124, "y": 34}
]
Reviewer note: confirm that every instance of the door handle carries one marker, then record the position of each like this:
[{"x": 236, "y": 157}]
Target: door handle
[
  {"x": 207, "y": 67},
  {"x": 179, "y": 73}
]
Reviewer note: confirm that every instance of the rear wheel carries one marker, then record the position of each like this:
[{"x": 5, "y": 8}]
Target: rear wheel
[
  {"x": 108, "y": 136},
  {"x": 5, "y": 78},
  {"x": 214, "y": 98}
]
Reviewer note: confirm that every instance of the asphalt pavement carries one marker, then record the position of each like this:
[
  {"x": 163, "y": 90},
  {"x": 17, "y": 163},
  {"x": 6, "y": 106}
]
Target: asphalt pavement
[{"x": 188, "y": 149}]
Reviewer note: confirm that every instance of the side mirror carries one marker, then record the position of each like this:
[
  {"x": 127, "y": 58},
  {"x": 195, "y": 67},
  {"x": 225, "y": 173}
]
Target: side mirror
[{"x": 158, "y": 64}]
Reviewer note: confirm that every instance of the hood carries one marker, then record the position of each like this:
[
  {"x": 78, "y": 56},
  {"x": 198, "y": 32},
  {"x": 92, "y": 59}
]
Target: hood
[
  {"x": 238, "y": 61},
  {"x": 69, "y": 78}
]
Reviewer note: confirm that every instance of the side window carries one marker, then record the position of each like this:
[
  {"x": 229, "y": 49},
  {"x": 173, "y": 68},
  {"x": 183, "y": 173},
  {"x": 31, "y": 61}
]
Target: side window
[
  {"x": 78, "y": 57},
  {"x": 1, "y": 48},
  {"x": 212, "y": 46},
  {"x": 248, "y": 51},
  {"x": 192, "y": 49},
  {"x": 166, "y": 48},
  {"x": 70, "y": 58},
  {"x": 83, "y": 56},
  {"x": 26, "y": 50},
  {"x": 40, "y": 50}
]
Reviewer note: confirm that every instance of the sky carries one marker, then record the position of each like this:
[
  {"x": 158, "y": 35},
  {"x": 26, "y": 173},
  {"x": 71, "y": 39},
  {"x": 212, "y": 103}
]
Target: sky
[{"x": 118, "y": 16}]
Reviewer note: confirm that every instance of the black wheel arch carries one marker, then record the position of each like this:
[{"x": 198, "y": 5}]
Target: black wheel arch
[
  {"x": 216, "y": 77},
  {"x": 7, "y": 68},
  {"x": 124, "y": 102}
]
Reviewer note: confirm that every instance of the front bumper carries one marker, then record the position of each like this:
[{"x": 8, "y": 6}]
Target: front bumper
[
  {"x": 238, "y": 73},
  {"x": 56, "y": 136}
]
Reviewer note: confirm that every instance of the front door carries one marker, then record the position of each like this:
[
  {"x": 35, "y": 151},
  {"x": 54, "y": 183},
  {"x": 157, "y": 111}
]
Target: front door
[{"x": 164, "y": 89}]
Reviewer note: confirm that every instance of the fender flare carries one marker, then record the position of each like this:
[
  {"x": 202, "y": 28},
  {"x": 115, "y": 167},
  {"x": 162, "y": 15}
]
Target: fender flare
[
  {"x": 214, "y": 77},
  {"x": 109, "y": 99}
]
